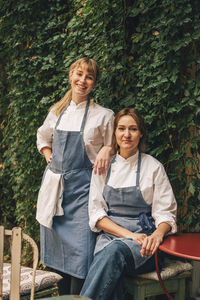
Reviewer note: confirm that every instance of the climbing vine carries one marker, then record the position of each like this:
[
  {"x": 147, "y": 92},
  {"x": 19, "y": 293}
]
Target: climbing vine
[{"x": 148, "y": 53}]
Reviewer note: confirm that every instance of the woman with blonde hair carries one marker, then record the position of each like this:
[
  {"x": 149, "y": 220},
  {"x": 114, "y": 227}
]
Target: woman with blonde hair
[
  {"x": 70, "y": 138},
  {"x": 132, "y": 208}
]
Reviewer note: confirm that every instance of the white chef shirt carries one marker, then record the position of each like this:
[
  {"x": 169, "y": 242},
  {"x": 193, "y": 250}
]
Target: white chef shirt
[
  {"x": 154, "y": 185},
  {"x": 97, "y": 133}
]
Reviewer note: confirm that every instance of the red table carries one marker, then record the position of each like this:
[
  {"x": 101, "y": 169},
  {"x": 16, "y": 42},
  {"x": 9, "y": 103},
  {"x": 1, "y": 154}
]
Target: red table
[{"x": 185, "y": 245}]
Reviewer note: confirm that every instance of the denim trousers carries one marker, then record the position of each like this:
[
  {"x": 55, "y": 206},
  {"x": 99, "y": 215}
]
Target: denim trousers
[{"x": 105, "y": 279}]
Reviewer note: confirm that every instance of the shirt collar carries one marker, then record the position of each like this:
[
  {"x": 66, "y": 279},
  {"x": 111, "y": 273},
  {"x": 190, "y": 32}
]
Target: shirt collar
[
  {"x": 131, "y": 160},
  {"x": 80, "y": 105}
]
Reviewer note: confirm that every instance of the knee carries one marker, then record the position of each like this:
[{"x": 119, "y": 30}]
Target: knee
[{"x": 117, "y": 252}]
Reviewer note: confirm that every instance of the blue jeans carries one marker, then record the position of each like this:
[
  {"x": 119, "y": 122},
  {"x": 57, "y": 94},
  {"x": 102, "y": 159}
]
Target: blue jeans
[{"x": 106, "y": 274}]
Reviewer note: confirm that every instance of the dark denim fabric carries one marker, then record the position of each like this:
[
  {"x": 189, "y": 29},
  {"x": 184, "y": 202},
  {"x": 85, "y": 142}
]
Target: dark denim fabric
[{"x": 105, "y": 280}]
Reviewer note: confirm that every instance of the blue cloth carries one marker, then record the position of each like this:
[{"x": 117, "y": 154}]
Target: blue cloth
[
  {"x": 126, "y": 206},
  {"x": 69, "y": 245},
  {"x": 147, "y": 223},
  {"x": 105, "y": 280}
]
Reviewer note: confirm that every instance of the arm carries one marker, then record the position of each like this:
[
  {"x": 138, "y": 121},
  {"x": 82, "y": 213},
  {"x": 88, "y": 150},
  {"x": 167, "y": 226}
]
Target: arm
[
  {"x": 103, "y": 157},
  {"x": 102, "y": 160},
  {"x": 164, "y": 209},
  {"x": 164, "y": 206},
  {"x": 109, "y": 226},
  {"x": 45, "y": 134},
  {"x": 97, "y": 206}
]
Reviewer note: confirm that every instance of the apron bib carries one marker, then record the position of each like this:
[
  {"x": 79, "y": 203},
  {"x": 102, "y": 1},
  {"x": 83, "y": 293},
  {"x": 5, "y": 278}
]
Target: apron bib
[
  {"x": 125, "y": 208},
  {"x": 69, "y": 245}
]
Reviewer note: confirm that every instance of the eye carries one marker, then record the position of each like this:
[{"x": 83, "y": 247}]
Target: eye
[
  {"x": 133, "y": 128},
  {"x": 90, "y": 77},
  {"x": 120, "y": 128}
]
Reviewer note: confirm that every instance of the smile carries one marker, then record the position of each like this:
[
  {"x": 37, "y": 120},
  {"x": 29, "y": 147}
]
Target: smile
[{"x": 81, "y": 87}]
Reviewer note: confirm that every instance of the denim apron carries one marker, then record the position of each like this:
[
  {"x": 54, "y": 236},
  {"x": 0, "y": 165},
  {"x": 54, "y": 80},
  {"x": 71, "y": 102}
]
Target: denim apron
[
  {"x": 127, "y": 208},
  {"x": 69, "y": 245}
]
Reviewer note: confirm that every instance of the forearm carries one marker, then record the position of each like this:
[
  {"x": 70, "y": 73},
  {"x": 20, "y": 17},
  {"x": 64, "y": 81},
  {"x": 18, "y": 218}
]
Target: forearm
[
  {"x": 111, "y": 150},
  {"x": 109, "y": 226},
  {"x": 162, "y": 229}
]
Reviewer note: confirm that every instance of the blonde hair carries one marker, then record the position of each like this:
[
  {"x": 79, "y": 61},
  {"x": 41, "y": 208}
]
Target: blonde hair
[
  {"x": 92, "y": 68},
  {"x": 140, "y": 123}
]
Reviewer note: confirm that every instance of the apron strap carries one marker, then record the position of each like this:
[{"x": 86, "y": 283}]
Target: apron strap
[
  {"x": 108, "y": 174},
  {"x": 59, "y": 118},
  {"x": 138, "y": 169},
  {"x": 85, "y": 115}
]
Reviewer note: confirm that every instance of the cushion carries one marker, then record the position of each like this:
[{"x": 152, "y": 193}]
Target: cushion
[
  {"x": 171, "y": 268},
  {"x": 43, "y": 279}
]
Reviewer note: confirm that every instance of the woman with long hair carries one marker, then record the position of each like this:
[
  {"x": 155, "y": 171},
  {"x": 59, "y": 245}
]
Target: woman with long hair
[
  {"x": 132, "y": 208},
  {"x": 70, "y": 138}
]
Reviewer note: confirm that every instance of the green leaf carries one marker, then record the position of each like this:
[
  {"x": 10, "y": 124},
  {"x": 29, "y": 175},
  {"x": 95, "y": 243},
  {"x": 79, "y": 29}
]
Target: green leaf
[{"x": 191, "y": 188}]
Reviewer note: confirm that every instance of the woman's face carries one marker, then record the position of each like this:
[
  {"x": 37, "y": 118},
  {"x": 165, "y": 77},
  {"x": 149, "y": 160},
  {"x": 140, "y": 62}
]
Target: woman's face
[
  {"x": 81, "y": 82},
  {"x": 127, "y": 136}
]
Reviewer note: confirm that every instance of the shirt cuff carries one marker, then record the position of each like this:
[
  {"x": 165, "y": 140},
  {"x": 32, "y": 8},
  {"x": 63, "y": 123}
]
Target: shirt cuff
[
  {"x": 40, "y": 147},
  {"x": 95, "y": 218},
  {"x": 171, "y": 223}
]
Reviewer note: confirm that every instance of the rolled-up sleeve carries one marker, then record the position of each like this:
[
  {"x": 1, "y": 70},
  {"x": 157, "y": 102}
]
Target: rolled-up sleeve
[
  {"x": 97, "y": 205},
  {"x": 45, "y": 132},
  {"x": 164, "y": 206}
]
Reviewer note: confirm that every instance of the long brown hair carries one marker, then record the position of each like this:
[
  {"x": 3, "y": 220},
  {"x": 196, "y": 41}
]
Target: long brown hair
[
  {"x": 92, "y": 68},
  {"x": 140, "y": 123}
]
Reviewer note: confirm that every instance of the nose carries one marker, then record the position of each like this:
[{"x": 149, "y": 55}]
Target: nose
[
  {"x": 127, "y": 133},
  {"x": 83, "y": 78}
]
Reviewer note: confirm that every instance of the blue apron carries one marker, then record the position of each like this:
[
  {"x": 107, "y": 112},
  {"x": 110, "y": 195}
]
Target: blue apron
[
  {"x": 69, "y": 245},
  {"x": 127, "y": 208}
]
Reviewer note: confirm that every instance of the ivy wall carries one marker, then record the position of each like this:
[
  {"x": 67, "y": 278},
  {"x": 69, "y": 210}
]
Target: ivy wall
[{"x": 148, "y": 52}]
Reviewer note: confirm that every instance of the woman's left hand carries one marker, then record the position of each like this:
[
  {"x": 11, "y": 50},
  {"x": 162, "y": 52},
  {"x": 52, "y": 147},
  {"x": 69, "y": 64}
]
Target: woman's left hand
[
  {"x": 151, "y": 243},
  {"x": 102, "y": 160}
]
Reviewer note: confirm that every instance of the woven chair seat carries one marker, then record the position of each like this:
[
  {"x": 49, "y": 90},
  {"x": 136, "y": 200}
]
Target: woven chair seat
[
  {"x": 43, "y": 280},
  {"x": 171, "y": 268}
]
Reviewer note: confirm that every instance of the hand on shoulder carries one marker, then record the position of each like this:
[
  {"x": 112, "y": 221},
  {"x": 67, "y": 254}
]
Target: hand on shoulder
[{"x": 102, "y": 160}]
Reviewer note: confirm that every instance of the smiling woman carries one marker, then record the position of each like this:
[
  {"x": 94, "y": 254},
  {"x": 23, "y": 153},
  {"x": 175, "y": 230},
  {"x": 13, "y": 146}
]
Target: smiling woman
[
  {"x": 82, "y": 81},
  {"x": 71, "y": 137}
]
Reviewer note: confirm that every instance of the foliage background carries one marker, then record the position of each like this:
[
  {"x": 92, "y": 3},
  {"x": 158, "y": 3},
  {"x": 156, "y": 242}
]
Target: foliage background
[{"x": 148, "y": 52}]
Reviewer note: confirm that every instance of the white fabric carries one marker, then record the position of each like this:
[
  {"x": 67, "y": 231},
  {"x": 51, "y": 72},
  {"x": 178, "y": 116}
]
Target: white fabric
[
  {"x": 154, "y": 185},
  {"x": 49, "y": 199},
  {"x": 97, "y": 133}
]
